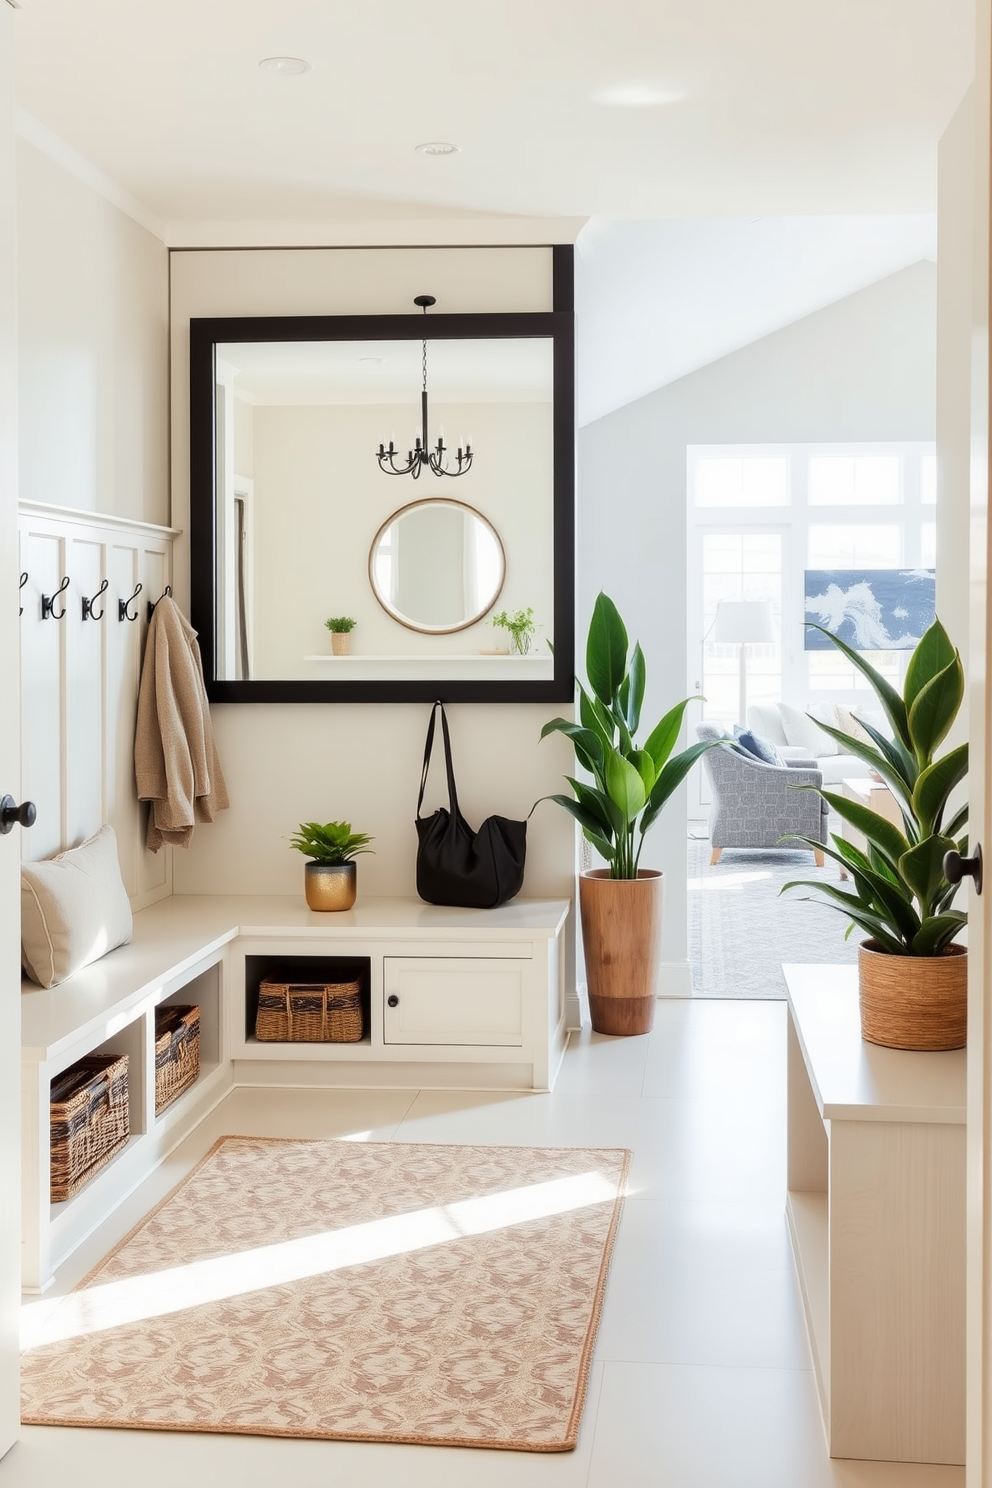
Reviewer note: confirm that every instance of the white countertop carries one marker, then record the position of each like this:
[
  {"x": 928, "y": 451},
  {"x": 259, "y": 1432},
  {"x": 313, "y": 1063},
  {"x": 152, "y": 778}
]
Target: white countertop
[
  {"x": 172, "y": 936},
  {"x": 856, "y": 1081}
]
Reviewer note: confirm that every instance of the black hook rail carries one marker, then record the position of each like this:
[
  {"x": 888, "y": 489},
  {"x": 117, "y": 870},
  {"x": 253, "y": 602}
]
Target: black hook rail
[
  {"x": 152, "y": 603},
  {"x": 123, "y": 606},
  {"x": 48, "y": 610},
  {"x": 24, "y": 579},
  {"x": 89, "y": 613}
]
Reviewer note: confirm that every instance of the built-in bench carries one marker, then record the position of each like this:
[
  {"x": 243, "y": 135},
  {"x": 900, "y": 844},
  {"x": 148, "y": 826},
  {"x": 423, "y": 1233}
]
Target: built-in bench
[{"x": 454, "y": 998}]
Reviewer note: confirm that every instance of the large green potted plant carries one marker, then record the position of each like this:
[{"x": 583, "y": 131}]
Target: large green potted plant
[
  {"x": 331, "y": 875},
  {"x": 621, "y": 905},
  {"x": 912, "y": 973}
]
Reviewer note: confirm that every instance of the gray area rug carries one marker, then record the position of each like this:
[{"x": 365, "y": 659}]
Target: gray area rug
[{"x": 740, "y": 931}]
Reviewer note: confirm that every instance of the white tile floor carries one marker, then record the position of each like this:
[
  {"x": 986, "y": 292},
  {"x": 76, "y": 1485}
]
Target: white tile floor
[{"x": 702, "y": 1376}]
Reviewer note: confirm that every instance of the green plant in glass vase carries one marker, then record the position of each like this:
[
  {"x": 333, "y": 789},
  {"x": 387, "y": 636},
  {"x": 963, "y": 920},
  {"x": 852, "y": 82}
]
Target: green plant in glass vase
[{"x": 900, "y": 895}]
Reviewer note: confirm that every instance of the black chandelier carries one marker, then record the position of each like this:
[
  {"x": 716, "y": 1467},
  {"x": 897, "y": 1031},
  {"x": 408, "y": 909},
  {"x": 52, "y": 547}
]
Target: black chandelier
[{"x": 422, "y": 457}]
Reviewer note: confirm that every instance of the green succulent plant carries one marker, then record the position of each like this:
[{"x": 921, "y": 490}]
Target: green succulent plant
[
  {"x": 340, "y": 624},
  {"x": 631, "y": 782},
  {"x": 900, "y": 896},
  {"x": 332, "y": 842}
]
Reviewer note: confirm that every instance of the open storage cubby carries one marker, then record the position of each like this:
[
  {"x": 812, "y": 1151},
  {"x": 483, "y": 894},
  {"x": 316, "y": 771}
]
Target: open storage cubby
[
  {"x": 281, "y": 968},
  {"x": 204, "y": 991}
]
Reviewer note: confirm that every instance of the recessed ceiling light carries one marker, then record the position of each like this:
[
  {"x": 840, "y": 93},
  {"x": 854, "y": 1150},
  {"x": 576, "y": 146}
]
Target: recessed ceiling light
[
  {"x": 437, "y": 147},
  {"x": 372, "y": 361},
  {"x": 285, "y": 66},
  {"x": 636, "y": 95}
]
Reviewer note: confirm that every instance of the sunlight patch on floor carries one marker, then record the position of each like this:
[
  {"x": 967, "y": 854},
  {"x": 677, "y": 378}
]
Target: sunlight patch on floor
[{"x": 137, "y": 1298}]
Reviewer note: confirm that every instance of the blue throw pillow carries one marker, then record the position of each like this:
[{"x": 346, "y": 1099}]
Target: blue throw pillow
[{"x": 762, "y": 749}]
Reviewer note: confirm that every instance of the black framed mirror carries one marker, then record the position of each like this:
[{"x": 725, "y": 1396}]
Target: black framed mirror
[{"x": 289, "y": 498}]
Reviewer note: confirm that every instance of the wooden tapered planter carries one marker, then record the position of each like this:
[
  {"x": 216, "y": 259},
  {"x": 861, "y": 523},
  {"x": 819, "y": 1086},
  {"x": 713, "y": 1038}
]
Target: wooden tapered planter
[
  {"x": 913, "y": 1002},
  {"x": 621, "y": 935}
]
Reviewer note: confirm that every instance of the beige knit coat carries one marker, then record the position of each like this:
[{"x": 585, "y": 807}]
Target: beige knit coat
[{"x": 175, "y": 762}]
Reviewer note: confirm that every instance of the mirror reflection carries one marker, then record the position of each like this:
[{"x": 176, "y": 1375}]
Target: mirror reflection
[
  {"x": 308, "y": 526},
  {"x": 437, "y": 566}
]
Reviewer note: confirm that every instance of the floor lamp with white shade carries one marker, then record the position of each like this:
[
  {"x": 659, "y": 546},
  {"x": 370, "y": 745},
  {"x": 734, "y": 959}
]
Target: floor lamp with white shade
[{"x": 743, "y": 623}]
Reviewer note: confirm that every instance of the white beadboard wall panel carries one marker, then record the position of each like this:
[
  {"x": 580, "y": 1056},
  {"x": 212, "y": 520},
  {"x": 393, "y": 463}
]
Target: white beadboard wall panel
[
  {"x": 80, "y": 684},
  {"x": 42, "y": 689},
  {"x": 154, "y": 869}
]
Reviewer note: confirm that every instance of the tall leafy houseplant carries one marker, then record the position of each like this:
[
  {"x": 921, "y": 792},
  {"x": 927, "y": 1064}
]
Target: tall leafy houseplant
[
  {"x": 900, "y": 895},
  {"x": 630, "y": 783}
]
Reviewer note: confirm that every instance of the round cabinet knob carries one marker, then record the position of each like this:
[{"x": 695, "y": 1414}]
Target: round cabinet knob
[
  {"x": 956, "y": 867},
  {"x": 392, "y": 1001},
  {"x": 12, "y": 815}
]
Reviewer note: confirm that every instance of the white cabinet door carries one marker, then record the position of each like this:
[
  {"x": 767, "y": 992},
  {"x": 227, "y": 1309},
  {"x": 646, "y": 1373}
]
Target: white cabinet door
[{"x": 447, "y": 1000}]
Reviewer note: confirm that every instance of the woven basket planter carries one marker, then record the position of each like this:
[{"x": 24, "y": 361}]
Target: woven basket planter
[
  {"x": 309, "y": 1012},
  {"x": 177, "y": 1052},
  {"x": 913, "y": 1002},
  {"x": 90, "y": 1121}
]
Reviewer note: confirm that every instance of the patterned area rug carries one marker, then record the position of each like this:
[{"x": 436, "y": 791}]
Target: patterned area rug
[
  {"x": 741, "y": 930},
  {"x": 371, "y": 1291}
]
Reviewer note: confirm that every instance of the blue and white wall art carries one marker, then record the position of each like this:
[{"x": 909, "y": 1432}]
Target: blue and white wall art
[{"x": 872, "y": 609}]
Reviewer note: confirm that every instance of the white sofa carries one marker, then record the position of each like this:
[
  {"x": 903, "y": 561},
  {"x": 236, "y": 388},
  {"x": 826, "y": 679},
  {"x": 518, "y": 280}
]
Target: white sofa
[{"x": 797, "y": 737}]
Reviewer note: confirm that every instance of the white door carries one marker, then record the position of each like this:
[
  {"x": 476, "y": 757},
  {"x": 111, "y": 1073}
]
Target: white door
[
  {"x": 10, "y": 845},
  {"x": 979, "y": 1315}
]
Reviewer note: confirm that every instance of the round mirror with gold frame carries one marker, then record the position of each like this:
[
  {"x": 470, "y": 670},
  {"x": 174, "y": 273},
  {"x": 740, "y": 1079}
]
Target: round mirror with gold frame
[{"x": 437, "y": 566}]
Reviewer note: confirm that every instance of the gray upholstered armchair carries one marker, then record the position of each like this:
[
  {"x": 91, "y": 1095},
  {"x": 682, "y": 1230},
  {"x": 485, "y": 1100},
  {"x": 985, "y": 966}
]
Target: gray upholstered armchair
[{"x": 756, "y": 805}]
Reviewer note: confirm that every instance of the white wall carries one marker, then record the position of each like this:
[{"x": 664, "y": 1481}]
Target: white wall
[
  {"x": 862, "y": 369},
  {"x": 92, "y": 349},
  {"x": 955, "y": 217},
  {"x": 361, "y": 762},
  {"x": 317, "y": 483}
]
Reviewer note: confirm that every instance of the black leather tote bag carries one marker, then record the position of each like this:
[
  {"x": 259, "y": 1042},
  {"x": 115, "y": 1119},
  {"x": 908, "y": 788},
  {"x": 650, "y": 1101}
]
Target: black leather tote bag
[{"x": 473, "y": 870}]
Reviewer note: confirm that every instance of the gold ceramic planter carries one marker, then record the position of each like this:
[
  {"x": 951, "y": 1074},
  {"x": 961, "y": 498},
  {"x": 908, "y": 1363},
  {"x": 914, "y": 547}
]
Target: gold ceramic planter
[{"x": 331, "y": 886}]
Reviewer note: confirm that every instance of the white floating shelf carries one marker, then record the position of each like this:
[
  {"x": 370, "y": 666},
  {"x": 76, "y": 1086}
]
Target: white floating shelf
[{"x": 489, "y": 658}]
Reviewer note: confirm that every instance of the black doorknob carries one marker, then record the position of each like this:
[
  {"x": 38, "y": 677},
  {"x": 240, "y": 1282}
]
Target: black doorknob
[
  {"x": 11, "y": 814},
  {"x": 392, "y": 1001},
  {"x": 956, "y": 867}
]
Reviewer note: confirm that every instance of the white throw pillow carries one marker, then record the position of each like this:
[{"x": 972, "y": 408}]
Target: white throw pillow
[
  {"x": 74, "y": 909},
  {"x": 802, "y": 732},
  {"x": 848, "y": 720}
]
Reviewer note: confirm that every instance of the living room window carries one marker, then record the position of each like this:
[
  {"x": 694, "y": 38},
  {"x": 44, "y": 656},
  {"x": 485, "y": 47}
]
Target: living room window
[{"x": 759, "y": 516}]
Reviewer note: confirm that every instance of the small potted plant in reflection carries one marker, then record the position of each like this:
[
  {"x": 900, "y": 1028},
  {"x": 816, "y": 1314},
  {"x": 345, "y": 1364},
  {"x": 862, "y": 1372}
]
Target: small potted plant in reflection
[{"x": 341, "y": 627}]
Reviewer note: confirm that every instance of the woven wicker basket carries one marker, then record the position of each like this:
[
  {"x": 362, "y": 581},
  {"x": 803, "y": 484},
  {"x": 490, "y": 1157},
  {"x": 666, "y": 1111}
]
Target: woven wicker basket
[
  {"x": 177, "y": 1052},
  {"x": 90, "y": 1121},
  {"x": 913, "y": 1002},
  {"x": 309, "y": 1012}
]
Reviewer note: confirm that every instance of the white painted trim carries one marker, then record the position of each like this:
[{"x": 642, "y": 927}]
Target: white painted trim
[
  {"x": 377, "y": 232},
  {"x": 675, "y": 977},
  {"x": 95, "y": 519},
  {"x": 44, "y": 139}
]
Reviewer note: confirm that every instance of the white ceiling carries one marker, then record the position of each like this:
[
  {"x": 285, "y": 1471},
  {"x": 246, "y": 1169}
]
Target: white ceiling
[
  {"x": 779, "y": 107},
  {"x": 659, "y": 299},
  {"x": 363, "y": 372}
]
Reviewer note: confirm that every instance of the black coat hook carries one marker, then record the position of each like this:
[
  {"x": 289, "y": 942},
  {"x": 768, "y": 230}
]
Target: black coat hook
[
  {"x": 89, "y": 613},
  {"x": 24, "y": 579},
  {"x": 152, "y": 603},
  {"x": 123, "y": 612},
  {"x": 48, "y": 610}
]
